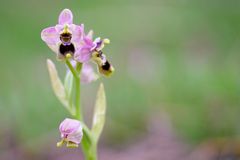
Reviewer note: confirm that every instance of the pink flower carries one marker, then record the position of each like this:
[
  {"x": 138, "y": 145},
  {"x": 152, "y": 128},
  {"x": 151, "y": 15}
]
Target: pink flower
[
  {"x": 83, "y": 54},
  {"x": 88, "y": 75},
  {"x": 88, "y": 46},
  {"x": 92, "y": 50},
  {"x": 64, "y": 37},
  {"x": 71, "y": 132},
  {"x": 68, "y": 40}
]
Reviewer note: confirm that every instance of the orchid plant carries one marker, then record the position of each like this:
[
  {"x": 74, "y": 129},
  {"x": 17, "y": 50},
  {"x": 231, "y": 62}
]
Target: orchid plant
[{"x": 77, "y": 50}]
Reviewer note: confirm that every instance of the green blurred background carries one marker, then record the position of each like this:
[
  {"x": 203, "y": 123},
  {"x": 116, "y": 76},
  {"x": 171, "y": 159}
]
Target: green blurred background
[{"x": 179, "y": 57}]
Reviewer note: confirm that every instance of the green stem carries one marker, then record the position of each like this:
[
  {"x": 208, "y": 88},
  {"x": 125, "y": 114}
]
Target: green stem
[
  {"x": 89, "y": 150},
  {"x": 88, "y": 145},
  {"x": 72, "y": 69},
  {"x": 78, "y": 88},
  {"x": 78, "y": 110},
  {"x": 76, "y": 74}
]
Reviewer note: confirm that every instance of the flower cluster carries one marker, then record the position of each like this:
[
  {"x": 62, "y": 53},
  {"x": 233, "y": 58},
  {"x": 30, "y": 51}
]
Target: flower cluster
[
  {"x": 77, "y": 48},
  {"x": 69, "y": 40}
]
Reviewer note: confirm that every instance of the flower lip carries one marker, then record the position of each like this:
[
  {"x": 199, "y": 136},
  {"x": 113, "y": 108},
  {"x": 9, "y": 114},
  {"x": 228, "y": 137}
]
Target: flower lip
[
  {"x": 106, "y": 66},
  {"x": 66, "y": 48}
]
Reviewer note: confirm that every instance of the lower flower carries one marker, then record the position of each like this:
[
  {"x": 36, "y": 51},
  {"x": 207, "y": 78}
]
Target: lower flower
[{"x": 71, "y": 133}]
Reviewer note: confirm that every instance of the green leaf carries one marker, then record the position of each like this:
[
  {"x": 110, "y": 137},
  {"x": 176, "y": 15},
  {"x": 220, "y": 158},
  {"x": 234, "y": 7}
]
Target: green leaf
[
  {"x": 57, "y": 85},
  {"x": 99, "y": 113},
  {"x": 68, "y": 85}
]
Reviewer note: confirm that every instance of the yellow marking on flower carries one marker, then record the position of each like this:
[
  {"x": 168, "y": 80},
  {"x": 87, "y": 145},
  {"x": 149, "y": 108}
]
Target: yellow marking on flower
[
  {"x": 106, "y": 41},
  {"x": 71, "y": 145},
  {"x": 59, "y": 144},
  {"x": 96, "y": 58},
  {"x": 112, "y": 69},
  {"x": 65, "y": 29},
  {"x": 68, "y": 56}
]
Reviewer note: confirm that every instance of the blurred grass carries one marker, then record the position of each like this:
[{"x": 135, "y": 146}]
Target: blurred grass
[{"x": 193, "y": 46}]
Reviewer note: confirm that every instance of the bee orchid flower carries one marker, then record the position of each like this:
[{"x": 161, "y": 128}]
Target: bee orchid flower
[
  {"x": 92, "y": 50},
  {"x": 71, "y": 132},
  {"x": 64, "y": 37}
]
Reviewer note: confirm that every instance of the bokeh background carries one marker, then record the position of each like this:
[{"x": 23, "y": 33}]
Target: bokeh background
[{"x": 174, "y": 95}]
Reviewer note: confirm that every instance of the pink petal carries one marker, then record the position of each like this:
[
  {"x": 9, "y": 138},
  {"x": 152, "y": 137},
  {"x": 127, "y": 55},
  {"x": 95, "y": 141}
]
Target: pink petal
[
  {"x": 76, "y": 136},
  {"x": 50, "y": 36},
  {"x": 88, "y": 41},
  {"x": 83, "y": 55},
  {"x": 59, "y": 28},
  {"x": 88, "y": 75},
  {"x": 77, "y": 33},
  {"x": 65, "y": 17},
  {"x": 90, "y": 34},
  {"x": 69, "y": 126}
]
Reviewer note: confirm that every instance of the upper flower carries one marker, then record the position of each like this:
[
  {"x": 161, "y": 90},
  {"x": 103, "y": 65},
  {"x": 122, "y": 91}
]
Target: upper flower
[
  {"x": 71, "y": 132},
  {"x": 83, "y": 54},
  {"x": 92, "y": 50},
  {"x": 64, "y": 37},
  {"x": 88, "y": 46}
]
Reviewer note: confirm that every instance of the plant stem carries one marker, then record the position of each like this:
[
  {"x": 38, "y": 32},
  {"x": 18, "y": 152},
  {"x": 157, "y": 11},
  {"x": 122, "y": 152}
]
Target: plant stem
[
  {"x": 78, "y": 88},
  {"x": 78, "y": 110},
  {"x": 88, "y": 145},
  {"x": 74, "y": 72},
  {"x": 89, "y": 150}
]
